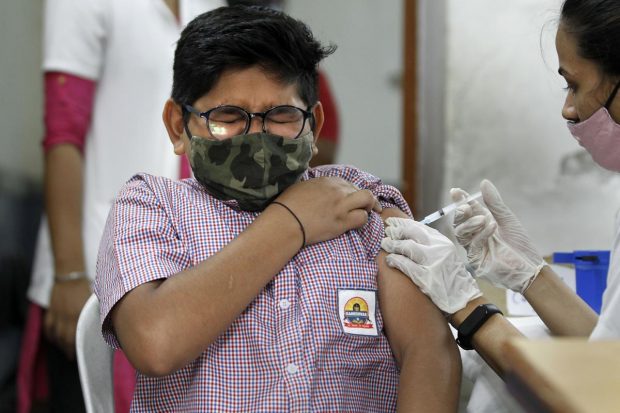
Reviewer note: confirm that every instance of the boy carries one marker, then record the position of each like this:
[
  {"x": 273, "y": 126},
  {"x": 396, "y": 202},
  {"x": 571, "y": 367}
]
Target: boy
[{"x": 253, "y": 287}]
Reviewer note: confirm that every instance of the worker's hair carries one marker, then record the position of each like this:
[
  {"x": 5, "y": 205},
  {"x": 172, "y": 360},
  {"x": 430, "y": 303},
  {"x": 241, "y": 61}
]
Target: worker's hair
[
  {"x": 239, "y": 37},
  {"x": 595, "y": 24}
]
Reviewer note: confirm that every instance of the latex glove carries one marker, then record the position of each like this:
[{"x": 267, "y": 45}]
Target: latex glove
[
  {"x": 498, "y": 247},
  {"x": 430, "y": 260}
]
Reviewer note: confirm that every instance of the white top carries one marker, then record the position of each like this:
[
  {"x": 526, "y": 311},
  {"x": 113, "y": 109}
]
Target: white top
[
  {"x": 608, "y": 326},
  {"x": 127, "y": 47}
]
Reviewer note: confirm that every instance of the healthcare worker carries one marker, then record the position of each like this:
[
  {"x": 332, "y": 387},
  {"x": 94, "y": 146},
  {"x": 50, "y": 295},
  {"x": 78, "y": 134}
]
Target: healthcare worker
[{"x": 498, "y": 248}]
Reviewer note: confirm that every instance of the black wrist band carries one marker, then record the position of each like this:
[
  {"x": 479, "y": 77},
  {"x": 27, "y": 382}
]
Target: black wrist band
[
  {"x": 473, "y": 322},
  {"x": 303, "y": 231}
]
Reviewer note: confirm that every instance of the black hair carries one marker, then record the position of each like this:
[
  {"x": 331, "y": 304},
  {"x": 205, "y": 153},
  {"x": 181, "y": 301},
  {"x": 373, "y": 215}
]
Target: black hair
[
  {"x": 595, "y": 24},
  {"x": 239, "y": 37},
  {"x": 268, "y": 3}
]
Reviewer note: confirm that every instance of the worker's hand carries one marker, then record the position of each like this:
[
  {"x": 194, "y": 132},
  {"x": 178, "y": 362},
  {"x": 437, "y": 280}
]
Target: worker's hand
[
  {"x": 61, "y": 318},
  {"x": 498, "y": 248},
  {"x": 329, "y": 206},
  {"x": 430, "y": 260}
]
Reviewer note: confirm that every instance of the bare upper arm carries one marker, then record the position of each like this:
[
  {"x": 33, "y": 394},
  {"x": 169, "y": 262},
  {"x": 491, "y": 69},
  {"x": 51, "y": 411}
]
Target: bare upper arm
[{"x": 410, "y": 318}]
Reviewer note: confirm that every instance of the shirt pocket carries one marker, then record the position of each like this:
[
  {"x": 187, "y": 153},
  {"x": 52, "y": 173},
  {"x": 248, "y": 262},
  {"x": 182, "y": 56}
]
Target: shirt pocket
[{"x": 337, "y": 348}]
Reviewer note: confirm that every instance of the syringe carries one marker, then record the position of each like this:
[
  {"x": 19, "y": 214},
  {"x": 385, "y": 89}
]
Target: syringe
[{"x": 449, "y": 208}]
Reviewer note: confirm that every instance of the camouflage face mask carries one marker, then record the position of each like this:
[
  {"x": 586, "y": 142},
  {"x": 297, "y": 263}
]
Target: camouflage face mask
[{"x": 253, "y": 169}]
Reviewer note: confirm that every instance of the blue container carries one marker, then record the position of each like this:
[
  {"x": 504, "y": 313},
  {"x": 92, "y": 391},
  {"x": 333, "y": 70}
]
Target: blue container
[{"x": 590, "y": 274}]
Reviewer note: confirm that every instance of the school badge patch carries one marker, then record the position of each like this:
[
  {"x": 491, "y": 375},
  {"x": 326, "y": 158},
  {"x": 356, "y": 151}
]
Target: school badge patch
[{"x": 357, "y": 312}]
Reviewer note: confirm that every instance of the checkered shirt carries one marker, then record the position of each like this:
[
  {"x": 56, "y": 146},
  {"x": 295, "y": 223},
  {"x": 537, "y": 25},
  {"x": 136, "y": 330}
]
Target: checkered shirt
[{"x": 287, "y": 351}]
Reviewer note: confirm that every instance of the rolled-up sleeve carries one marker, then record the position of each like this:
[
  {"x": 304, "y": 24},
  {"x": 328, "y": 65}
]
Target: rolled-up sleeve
[{"x": 388, "y": 196}]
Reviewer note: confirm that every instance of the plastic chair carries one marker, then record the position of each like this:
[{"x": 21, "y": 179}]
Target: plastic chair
[{"x": 94, "y": 359}]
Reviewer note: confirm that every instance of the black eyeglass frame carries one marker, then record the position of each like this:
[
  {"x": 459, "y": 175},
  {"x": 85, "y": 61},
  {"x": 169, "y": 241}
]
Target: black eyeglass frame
[{"x": 307, "y": 114}]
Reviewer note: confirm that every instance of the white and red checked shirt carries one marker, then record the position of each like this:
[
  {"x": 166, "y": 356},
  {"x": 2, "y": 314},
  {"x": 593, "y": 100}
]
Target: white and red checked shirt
[{"x": 288, "y": 351}]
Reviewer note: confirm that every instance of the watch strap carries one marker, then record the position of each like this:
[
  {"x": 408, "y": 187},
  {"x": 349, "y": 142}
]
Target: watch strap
[{"x": 473, "y": 322}]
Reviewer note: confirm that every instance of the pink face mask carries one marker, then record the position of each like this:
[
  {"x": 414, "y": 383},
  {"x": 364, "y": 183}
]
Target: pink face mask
[{"x": 600, "y": 136}]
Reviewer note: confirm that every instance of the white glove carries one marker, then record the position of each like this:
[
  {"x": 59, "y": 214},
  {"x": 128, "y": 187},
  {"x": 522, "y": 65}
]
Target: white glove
[
  {"x": 498, "y": 248},
  {"x": 430, "y": 260}
]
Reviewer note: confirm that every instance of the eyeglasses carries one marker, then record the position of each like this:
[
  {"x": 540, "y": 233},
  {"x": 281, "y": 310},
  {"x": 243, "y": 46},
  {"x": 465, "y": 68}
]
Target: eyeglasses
[{"x": 227, "y": 121}]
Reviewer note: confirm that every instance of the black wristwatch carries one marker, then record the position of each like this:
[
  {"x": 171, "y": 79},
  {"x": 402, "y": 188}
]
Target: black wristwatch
[{"x": 473, "y": 322}]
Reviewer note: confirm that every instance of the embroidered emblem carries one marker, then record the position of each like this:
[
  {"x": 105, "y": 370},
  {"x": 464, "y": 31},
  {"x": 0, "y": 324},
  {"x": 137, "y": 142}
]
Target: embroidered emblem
[{"x": 357, "y": 311}]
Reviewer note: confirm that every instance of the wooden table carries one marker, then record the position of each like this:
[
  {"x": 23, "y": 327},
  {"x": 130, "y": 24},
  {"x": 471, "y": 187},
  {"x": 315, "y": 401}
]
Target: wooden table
[{"x": 565, "y": 375}]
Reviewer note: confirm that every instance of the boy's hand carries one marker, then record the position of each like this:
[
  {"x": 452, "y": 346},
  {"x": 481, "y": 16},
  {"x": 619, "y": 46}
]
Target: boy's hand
[{"x": 329, "y": 206}]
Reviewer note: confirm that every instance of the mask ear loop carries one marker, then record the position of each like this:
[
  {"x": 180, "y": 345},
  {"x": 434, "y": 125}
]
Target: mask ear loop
[{"x": 612, "y": 96}]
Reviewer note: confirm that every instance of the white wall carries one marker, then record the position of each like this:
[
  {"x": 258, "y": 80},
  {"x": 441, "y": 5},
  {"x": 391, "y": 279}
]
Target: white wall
[
  {"x": 364, "y": 74},
  {"x": 503, "y": 122},
  {"x": 21, "y": 88},
  {"x": 431, "y": 58}
]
